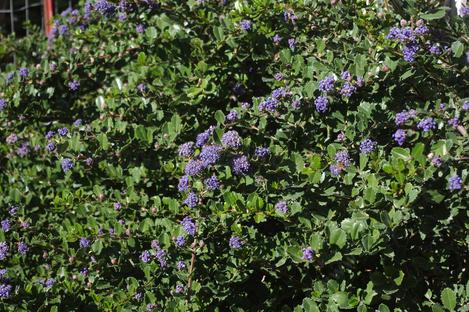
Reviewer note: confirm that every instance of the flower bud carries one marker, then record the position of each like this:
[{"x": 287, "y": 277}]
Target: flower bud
[{"x": 385, "y": 68}]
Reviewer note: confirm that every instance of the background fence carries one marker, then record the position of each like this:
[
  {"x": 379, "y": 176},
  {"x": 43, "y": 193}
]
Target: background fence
[{"x": 14, "y": 14}]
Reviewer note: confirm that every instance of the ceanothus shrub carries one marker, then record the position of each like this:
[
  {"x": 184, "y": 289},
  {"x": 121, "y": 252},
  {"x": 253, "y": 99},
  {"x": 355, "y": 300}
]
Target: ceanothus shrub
[{"x": 239, "y": 156}]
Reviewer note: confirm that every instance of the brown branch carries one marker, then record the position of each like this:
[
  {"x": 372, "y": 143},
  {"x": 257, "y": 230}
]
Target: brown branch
[{"x": 191, "y": 270}]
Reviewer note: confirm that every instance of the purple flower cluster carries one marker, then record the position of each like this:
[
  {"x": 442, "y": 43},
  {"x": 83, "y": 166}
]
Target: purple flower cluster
[
  {"x": 367, "y": 146},
  {"x": 465, "y": 106},
  {"x": 408, "y": 38},
  {"x": 402, "y": 35},
  {"x": 186, "y": 149},
  {"x": 296, "y": 104},
  {"x": 194, "y": 167},
  {"x": 3, "y": 104},
  {"x": 269, "y": 104},
  {"x": 235, "y": 242},
  {"x": 3, "y": 250},
  {"x": 399, "y": 136},
  {"x": 212, "y": 183},
  {"x": 231, "y": 139},
  {"x": 77, "y": 122},
  {"x": 321, "y": 104},
  {"x": 105, "y": 7},
  {"x": 210, "y": 154},
  {"x": 22, "y": 248},
  {"x": 179, "y": 289},
  {"x": 142, "y": 88},
  {"x": 341, "y": 137},
  {"x": 232, "y": 116},
  {"x": 161, "y": 256},
  {"x": 23, "y": 150},
  {"x": 402, "y": 117},
  {"x": 145, "y": 256},
  {"x": 280, "y": 93},
  {"x": 410, "y": 50},
  {"x": 140, "y": 28},
  {"x": 191, "y": 200},
  {"x": 180, "y": 265},
  {"x": 67, "y": 164},
  {"x": 203, "y": 137},
  {"x": 245, "y": 24},
  {"x": 308, "y": 254},
  {"x": 454, "y": 183},
  {"x": 74, "y": 85},
  {"x": 241, "y": 165},
  {"x": 289, "y": 16},
  {"x": 84, "y": 272},
  {"x": 281, "y": 206},
  {"x": 23, "y": 72},
  {"x": 343, "y": 158},
  {"x": 434, "y": 49},
  {"x": 50, "y": 135},
  {"x": 278, "y": 76},
  {"x": 11, "y": 139},
  {"x": 346, "y": 75},
  {"x": 6, "y": 225},
  {"x": 427, "y": 124},
  {"x": 348, "y": 89},
  {"x": 49, "y": 282},
  {"x": 5, "y": 290},
  {"x": 188, "y": 225},
  {"x": 277, "y": 39},
  {"x": 436, "y": 161},
  {"x": 454, "y": 121},
  {"x": 183, "y": 184},
  {"x": 327, "y": 84},
  {"x": 63, "y": 131},
  {"x": 180, "y": 241},
  {"x": 63, "y": 30},
  {"x": 262, "y": 152},
  {"x": 84, "y": 242}
]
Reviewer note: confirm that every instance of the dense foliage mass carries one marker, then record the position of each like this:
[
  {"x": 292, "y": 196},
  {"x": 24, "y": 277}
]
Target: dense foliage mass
[{"x": 261, "y": 155}]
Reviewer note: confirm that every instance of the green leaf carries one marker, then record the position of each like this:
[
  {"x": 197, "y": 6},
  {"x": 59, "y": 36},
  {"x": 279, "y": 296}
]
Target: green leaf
[
  {"x": 401, "y": 153},
  {"x": 437, "y": 308},
  {"x": 406, "y": 75},
  {"x": 151, "y": 33},
  {"x": 338, "y": 237},
  {"x": 383, "y": 308},
  {"x": 97, "y": 247},
  {"x": 458, "y": 48},
  {"x": 310, "y": 306},
  {"x": 218, "y": 33},
  {"x": 220, "y": 117},
  {"x": 295, "y": 253},
  {"x": 448, "y": 298},
  {"x": 336, "y": 257},
  {"x": 417, "y": 152},
  {"x": 441, "y": 12}
]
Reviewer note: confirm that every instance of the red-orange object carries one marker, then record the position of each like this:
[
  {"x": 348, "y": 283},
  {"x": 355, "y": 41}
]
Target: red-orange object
[{"x": 48, "y": 13}]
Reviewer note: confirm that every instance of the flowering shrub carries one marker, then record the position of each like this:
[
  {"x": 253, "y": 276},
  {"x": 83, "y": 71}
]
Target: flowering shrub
[{"x": 226, "y": 155}]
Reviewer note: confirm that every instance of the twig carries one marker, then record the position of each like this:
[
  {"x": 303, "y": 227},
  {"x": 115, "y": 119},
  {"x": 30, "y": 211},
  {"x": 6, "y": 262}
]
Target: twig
[{"x": 191, "y": 271}]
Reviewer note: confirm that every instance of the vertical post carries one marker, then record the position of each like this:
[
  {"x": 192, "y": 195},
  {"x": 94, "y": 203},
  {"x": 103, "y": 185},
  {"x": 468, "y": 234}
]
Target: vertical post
[
  {"x": 12, "y": 17},
  {"x": 48, "y": 16},
  {"x": 26, "y": 7}
]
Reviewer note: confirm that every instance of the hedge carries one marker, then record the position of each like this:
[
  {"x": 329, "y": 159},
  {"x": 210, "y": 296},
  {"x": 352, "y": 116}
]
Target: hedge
[{"x": 261, "y": 155}]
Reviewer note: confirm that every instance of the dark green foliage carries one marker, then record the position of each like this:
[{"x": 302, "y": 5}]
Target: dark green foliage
[{"x": 388, "y": 233}]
